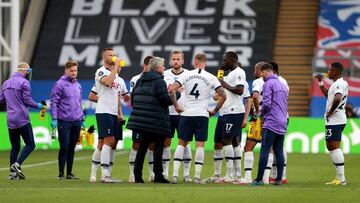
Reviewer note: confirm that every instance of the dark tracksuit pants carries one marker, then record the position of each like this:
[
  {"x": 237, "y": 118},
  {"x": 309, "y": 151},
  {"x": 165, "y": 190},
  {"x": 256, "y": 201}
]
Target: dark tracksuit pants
[
  {"x": 69, "y": 132},
  {"x": 27, "y": 135},
  {"x": 146, "y": 139},
  {"x": 271, "y": 139}
]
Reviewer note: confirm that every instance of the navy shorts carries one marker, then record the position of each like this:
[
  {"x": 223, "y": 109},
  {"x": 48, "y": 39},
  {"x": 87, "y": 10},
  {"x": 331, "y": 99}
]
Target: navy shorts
[
  {"x": 174, "y": 123},
  {"x": 334, "y": 132},
  {"x": 193, "y": 125},
  {"x": 136, "y": 136},
  {"x": 228, "y": 126},
  {"x": 108, "y": 125}
]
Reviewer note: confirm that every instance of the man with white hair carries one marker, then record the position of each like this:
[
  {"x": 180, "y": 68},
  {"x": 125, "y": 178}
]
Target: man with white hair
[
  {"x": 150, "y": 117},
  {"x": 16, "y": 93}
]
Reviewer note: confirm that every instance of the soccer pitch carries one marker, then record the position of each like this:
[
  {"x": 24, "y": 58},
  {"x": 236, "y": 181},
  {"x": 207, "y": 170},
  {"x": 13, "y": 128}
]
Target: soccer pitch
[{"x": 306, "y": 174}]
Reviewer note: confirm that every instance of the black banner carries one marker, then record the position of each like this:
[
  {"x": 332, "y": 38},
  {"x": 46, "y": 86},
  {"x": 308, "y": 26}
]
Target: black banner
[{"x": 80, "y": 29}]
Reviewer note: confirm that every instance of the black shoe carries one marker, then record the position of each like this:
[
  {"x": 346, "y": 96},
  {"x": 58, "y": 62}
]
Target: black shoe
[
  {"x": 161, "y": 180},
  {"x": 71, "y": 176},
  {"x": 17, "y": 169},
  {"x": 139, "y": 180}
]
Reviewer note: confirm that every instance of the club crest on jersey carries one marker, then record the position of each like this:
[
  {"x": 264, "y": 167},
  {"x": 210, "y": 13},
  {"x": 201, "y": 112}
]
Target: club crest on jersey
[{"x": 100, "y": 73}]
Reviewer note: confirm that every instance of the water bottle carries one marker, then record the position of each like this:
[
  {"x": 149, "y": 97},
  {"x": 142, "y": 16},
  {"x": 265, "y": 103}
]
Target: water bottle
[
  {"x": 121, "y": 62},
  {"x": 321, "y": 75},
  {"x": 220, "y": 74},
  {"x": 43, "y": 111},
  {"x": 53, "y": 134}
]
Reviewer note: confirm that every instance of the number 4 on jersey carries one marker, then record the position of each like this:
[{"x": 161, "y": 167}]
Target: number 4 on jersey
[{"x": 195, "y": 92}]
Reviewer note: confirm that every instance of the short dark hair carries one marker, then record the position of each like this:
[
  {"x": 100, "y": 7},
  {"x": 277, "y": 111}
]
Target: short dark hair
[
  {"x": 275, "y": 66},
  {"x": 232, "y": 55},
  {"x": 338, "y": 66},
  {"x": 266, "y": 66},
  {"x": 147, "y": 59},
  {"x": 107, "y": 49},
  {"x": 70, "y": 64}
]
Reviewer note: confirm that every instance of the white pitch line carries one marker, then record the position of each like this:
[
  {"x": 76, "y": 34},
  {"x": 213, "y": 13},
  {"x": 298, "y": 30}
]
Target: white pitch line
[
  {"x": 153, "y": 187},
  {"x": 54, "y": 162}
]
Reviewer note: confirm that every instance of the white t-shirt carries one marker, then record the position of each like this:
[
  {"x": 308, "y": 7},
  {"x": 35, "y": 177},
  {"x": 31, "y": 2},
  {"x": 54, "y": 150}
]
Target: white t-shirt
[
  {"x": 257, "y": 86},
  {"x": 339, "y": 116},
  {"x": 197, "y": 84},
  {"x": 133, "y": 81},
  {"x": 170, "y": 77},
  {"x": 108, "y": 96},
  {"x": 283, "y": 81},
  {"x": 234, "y": 103}
]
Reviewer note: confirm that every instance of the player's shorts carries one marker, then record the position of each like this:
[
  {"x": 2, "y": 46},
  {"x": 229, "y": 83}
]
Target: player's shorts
[
  {"x": 174, "y": 124},
  {"x": 193, "y": 125},
  {"x": 334, "y": 132},
  {"x": 228, "y": 126},
  {"x": 108, "y": 125},
  {"x": 136, "y": 136},
  {"x": 254, "y": 132}
]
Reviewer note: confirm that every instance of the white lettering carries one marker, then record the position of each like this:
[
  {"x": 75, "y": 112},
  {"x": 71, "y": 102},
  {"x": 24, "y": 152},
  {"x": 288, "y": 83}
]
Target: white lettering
[
  {"x": 87, "y": 8},
  {"x": 72, "y": 34},
  {"x": 237, "y": 31},
  {"x": 116, "y": 30},
  {"x": 207, "y": 50},
  {"x": 186, "y": 32},
  {"x": 88, "y": 55},
  {"x": 146, "y": 51},
  {"x": 146, "y": 35},
  {"x": 116, "y": 9},
  {"x": 167, "y": 6},
  {"x": 231, "y": 6},
  {"x": 244, "y": 53},
  {"x": 192, "y": 10}
]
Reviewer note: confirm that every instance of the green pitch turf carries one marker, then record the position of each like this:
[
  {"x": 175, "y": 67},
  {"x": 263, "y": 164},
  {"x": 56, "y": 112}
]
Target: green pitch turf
[{"x": 306, "y": 174}]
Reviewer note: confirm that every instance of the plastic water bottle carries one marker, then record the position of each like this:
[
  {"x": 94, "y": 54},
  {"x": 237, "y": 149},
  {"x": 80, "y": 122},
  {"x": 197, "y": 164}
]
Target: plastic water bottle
[
  {"x": 121, "y": 62},
  {"x": 220, "y": 74},
  {"x": 321, "y": 75}
]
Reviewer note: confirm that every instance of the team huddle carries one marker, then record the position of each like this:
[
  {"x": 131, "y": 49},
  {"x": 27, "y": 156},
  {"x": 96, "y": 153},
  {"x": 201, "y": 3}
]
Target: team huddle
[{"x": 176, "y": 101}]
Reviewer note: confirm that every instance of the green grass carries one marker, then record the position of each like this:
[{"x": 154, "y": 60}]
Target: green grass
[{"x": 306, "y": 174}]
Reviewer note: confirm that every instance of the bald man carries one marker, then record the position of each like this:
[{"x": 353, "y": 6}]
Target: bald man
[{"x": 16, "y": 93}]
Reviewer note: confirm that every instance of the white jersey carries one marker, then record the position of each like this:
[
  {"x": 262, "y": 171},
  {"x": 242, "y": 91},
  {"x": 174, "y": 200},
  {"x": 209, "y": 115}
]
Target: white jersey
[
  {"x": 197, "y": 84},
  {"x": 283, "y": 81},
  {"x": 133, "y": 81},
  {"x": 340, "y": 86},
  {"x": 234, "y": 103},
  {"x": 170, "y": 77},
  {"x": 108, "y": 96},
  {"x": 257, "y": 86}
]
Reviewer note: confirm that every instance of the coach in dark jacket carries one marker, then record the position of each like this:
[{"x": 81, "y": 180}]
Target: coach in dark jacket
[{"x": 150, "y": 116}]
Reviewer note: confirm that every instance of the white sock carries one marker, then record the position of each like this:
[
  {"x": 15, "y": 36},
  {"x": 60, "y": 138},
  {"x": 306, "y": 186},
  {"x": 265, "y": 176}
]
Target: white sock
[
  {"x": 273, "y": 172},
  {"x": 248, "y": 164},
  {"x": 229, "y": 157},
  {"x": 132, "y": 156},
  {"x": 218, "y": 157},
  {"x": 268, "y": 169},
  {"x": 178, "y": 155},
  {"x": 166, "y": 161},
  {"x": 187, "y": 160},
  {"x": 338, "y": 159},
  {"x": 95, "y": 162},
  {"x": 112, "y": 160},
  {"x": 199, "y": 161},
  {"x": 237, "y": 161},
  {"x": 285, "y": 161},
  {"x": 151, "y": 164},
  {"x": 105, "y": 160}
]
